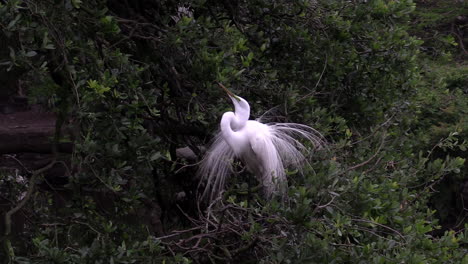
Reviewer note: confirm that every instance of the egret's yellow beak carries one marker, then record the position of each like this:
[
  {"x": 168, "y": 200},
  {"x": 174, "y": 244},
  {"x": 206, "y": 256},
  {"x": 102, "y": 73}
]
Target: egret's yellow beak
[{"x": 229, "y": 92}]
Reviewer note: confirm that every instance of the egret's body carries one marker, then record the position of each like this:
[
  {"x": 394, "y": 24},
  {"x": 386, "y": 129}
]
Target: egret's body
[{"x": 265, "y": 149}]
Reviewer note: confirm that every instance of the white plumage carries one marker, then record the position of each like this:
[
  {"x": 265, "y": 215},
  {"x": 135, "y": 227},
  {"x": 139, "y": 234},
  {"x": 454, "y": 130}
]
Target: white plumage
[{"x": 265, "y": 149}]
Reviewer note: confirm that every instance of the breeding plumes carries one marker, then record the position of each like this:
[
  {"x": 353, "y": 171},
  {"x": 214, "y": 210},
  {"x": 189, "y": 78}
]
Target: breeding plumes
[{"x": 265, "y": 150}]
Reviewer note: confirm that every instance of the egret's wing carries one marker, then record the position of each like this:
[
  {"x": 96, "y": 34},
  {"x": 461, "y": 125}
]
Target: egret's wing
[
  {"x": 215, "y": 167},
  {"x": 268, "y": 161},
  {"x": 254, "y": 159}
]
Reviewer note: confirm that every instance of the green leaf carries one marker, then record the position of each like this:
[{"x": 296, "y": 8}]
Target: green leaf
[
  {"x": 13, "y": 22},
  {"x": 239, "y": 73},
  {"x": 76, "y": 3},
  {"x": 155, "y": 156},
  {"x": 31, "y": 53}
]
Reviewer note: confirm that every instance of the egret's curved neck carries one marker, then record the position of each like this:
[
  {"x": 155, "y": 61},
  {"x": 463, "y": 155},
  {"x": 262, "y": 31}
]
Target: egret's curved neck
[
  {"x": 228, "y": 133},
  {"x": 226, "y": 120}
]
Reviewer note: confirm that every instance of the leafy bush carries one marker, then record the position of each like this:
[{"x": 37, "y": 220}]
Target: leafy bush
[{"x": 137, "y": 81}]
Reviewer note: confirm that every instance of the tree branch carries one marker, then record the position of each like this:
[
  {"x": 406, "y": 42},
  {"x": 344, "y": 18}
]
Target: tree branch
[{"x": 32, "y": 183}]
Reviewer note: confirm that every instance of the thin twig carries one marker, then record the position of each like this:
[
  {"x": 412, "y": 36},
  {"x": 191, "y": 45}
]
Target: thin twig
[
  {"x": 327, "y": 204},
  {"x": 381, "y": 225},
  {"x": 368, "y": 160}
]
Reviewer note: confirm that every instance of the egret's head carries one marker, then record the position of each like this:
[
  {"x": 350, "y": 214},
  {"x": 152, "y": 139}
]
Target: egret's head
[{"x": 241, "y": 106}]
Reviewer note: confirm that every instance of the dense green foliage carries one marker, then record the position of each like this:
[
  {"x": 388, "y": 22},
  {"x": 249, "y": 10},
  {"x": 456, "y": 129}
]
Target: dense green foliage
[{"x": 135, "y": 80}]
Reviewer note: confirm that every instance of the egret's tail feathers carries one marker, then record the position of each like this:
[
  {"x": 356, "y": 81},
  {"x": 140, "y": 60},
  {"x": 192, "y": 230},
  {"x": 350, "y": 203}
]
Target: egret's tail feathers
[
  {"x": 287, "y": 136},
  {"x": 286, "y": 150},
  {"x": 295, "y": 130}
]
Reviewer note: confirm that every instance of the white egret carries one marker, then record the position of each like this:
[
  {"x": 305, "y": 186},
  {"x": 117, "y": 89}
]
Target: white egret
[{"x": 265, "y": 150}]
